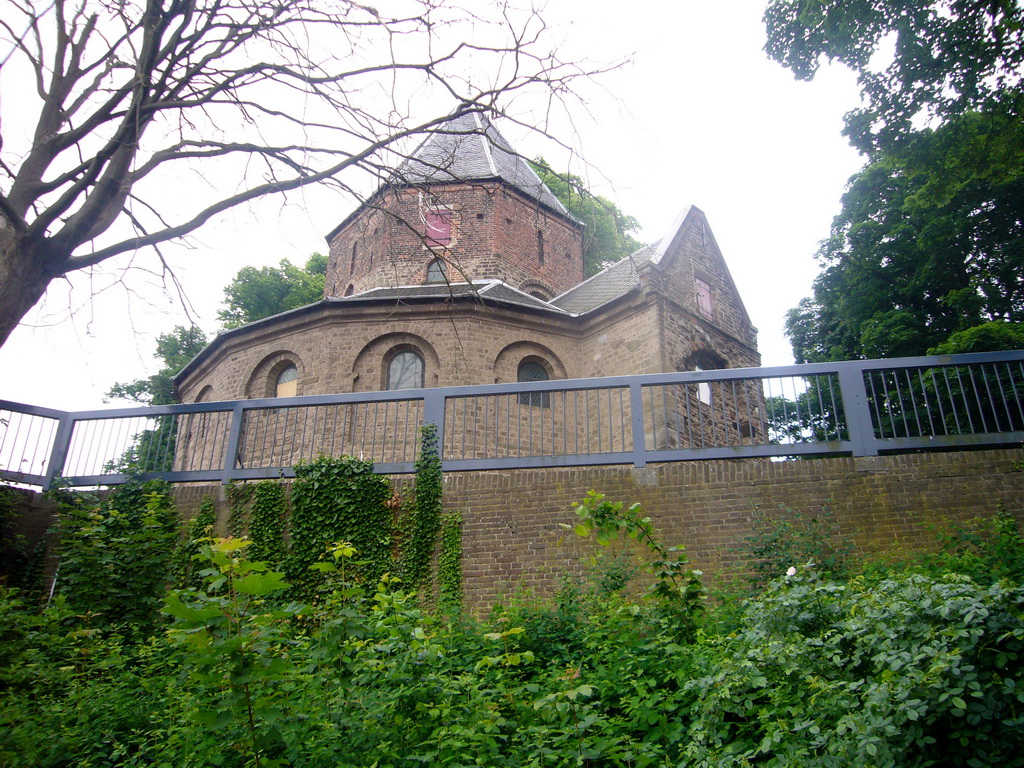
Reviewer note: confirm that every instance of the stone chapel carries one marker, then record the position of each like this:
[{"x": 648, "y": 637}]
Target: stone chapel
[{"x": 464, "y": 268}]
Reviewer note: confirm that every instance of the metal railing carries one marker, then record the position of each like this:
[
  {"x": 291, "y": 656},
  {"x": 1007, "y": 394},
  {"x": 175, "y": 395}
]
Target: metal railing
[{"x": 858, "y": 408}]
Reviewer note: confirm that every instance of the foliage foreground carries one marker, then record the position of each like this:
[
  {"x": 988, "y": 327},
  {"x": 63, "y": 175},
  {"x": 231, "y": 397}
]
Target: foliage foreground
[{"x": 898, "y": 666}]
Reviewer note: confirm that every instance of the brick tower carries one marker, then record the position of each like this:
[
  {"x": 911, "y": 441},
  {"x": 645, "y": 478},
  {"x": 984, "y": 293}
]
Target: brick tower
[{"x": 463, "y": 207}]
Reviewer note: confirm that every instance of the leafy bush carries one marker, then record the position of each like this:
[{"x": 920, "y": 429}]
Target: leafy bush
[
  {"x": 911, "y": 671},
  {"x": 788, "y": 538},
  {"x": 117, "y": 554}
]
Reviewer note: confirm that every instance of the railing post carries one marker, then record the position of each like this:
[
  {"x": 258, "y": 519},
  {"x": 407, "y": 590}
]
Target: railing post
[
  {"x": 855, "y": 404},
  {"x": 433, "y": 413},
  {"x": 636, "y": 413},
  {"x": 234, "y": 441},
  {"x": 59, "y": 452}
]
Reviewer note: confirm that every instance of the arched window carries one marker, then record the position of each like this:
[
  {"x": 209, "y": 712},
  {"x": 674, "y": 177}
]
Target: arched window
[
  {"x": 405, "y": 371},
  {"x": 437, "y": 272},
  {"x": 531, "y": 370},
  {"x": 287, "y": 382},
  {"x": 350, "y": 289}
]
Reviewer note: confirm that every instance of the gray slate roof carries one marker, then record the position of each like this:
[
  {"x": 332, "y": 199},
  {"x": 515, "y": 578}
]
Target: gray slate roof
[
  {"x": 494, "y": 290},
  {"x": 467, "y": 148},
  {"x": 608, "y": 284}
]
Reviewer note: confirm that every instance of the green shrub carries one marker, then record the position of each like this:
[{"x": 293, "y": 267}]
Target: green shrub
[
  {"x": 788, "y": 538},
  {"x": 117, "y": 555},
  {"x": 911, "y": 671}
]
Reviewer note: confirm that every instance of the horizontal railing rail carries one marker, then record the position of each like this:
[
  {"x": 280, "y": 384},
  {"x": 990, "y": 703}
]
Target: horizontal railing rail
[{"x": 859, "y": 408}]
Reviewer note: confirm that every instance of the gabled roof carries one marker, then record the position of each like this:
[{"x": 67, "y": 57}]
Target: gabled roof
[
  {"x": 622, "y": 276},
  {"x": 469, "y": 148},
  {"x": 610, "y": 283}
]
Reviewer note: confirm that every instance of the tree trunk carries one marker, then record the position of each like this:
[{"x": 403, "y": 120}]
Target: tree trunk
[{"x": 23, "y": 280}]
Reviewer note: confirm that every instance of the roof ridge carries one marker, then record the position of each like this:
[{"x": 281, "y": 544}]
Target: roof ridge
[{"x": 485, "y": 141}]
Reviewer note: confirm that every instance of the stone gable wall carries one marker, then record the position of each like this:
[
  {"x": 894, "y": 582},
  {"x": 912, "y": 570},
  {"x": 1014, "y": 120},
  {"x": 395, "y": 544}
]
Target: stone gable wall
[{"x": 694, "y": 254}]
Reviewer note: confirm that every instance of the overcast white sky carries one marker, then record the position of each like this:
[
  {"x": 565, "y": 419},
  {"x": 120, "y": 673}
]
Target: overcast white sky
[{"x": 700, "y": 117}]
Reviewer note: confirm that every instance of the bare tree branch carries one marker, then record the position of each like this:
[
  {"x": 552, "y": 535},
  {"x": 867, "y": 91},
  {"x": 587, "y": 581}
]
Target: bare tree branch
[{"x": 128, "y": 93}]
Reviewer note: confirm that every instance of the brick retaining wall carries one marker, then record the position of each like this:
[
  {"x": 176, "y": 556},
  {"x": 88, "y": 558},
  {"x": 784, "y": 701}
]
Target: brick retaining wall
[{"x": 512, "y": 540}]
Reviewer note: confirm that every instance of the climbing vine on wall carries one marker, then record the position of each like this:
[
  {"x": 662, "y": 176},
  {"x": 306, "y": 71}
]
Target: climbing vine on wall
[
  {"x": 239, "y": 496},
  {"x": 266, "y": 523},
  {"x": 426, "y": 512},
  {"x": 335, "y": 500},
  {"x": 449, "y": 563}
]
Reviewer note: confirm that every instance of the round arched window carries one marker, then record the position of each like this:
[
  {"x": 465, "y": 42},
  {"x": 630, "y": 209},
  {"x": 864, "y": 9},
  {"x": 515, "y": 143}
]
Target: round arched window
[
  {"x": 287, "y": 382},
  {"x": 531, "y": 370},
  {"x": 437, "y": 272},
  {"x": 405, "y": 371}
]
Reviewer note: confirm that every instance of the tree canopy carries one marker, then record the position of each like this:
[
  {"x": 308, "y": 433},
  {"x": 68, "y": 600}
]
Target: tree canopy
[
  {"x": 900, "y": 275},
  {"x": 606, "y": 234},
  {"x": 174, "y": 350},
  {"x": 258, "y": 293},
  {"x": 942, "y": 58},
  {"x": 112, "y": 105},
  {"x": 929, "y": 239}
]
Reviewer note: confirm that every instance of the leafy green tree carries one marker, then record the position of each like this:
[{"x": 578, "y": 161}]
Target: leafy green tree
[
  {"x": 948, "y": 58},
  {"x": 901, "y": 272},
  {"x": 928, "y": 242},
  {"x": 258, "y": 293},
  {"x": 174, "y": 350},
  {"x": 606, "y": 236},
  {"x": 987, "y": 337}
]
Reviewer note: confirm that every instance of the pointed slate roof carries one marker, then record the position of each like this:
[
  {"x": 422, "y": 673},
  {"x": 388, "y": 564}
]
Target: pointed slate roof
[{"x": 469, "y": 148}]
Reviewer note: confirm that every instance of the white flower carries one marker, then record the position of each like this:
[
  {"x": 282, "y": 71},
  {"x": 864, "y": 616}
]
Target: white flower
[{"x": 791, "y": 571}]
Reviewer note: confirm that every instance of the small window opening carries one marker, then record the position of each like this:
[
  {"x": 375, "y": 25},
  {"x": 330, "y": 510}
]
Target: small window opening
[
  {"x": 287, "y": 382},
  {"x": 355, "y": 250},
  {"x": 703, "y": 292},
  {"x": 437, "y": 272},
  {"x": 530, "y": 370},
  {"x": 540, "y": 246},
  {"x": 350, "y": 290},
  {"x": 405, "y": 371},
  {"x": 439, "y": 228}
]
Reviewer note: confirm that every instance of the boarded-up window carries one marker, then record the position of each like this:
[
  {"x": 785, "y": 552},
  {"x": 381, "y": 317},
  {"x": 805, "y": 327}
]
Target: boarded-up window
[
  {"x": 704, "y": 298},
  {"x": 287, "y": 382},
  {"x": 439, "y": 228},
  {"x": 703, "y": 389}
]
